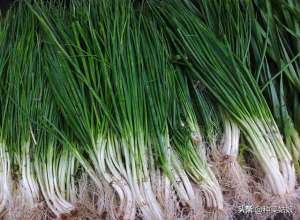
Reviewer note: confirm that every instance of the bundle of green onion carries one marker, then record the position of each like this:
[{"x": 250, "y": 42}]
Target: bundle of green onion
[{"x": 125, "y": 109}]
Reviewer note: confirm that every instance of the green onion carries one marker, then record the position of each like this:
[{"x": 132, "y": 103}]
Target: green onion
[
  {"x": 191, "y": 150},
  {"x": 5, "y": 169},
  {"x": 234, "y": 87}
]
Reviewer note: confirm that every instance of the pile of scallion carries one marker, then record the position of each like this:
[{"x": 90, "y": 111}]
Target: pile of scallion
[{"x": 150, "y": 109}]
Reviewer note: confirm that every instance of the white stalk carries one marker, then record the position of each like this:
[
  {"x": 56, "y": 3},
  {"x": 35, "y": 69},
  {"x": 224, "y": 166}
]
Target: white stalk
[
  {"x": 146, "y": 184},
  {"x": 211, "y": 188},
  {"x": 71, "y": 192},
  {"x": 276, "y": 163},
  {"x": 100, "y": 163},
  {"x": 183, "y": 185},
  {"x": 28, "y": 183},
  {"x": 231, "y": 175},
  {"x": 114, "y": 168},
  {"x": 133, "y": 182},
  {"x": 235, "y": 140},
  {"x": 59, "y": 174},
  {"x": 54, "y": 166},
  {"x": 5, "y": 191},
  {"x": 42, "y": 178}
]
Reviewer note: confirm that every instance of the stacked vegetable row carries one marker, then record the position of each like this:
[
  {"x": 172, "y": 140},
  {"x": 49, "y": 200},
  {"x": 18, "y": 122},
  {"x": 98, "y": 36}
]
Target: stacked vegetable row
[{"x": 121, "y": 109}]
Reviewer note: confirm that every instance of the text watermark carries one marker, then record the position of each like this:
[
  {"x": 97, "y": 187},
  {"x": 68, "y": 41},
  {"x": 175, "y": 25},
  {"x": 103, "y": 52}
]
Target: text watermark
[{"x": 260, "y": 210}]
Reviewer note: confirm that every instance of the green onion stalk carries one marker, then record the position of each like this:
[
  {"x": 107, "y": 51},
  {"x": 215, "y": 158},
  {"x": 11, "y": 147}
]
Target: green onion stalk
[
  {"x": 129, "y": 140},
  {"x": 105, "y": 128},
  {"x": 161, "y": 90},
  {"x": 288, "y": 21},
  {"x": 54, "y": 164},
  {"x": 234, "y": 87},
  {"x": 97, "y": 76},
  {"x": 54, "y": 174},
  {"x": 223, "y": 140},
  {"x": 88, "y": 140},
  {"x": 278, "y": 75},
  {"x": 233, "y": 176},
  {"x": 233, "y": 173},
  {"x": 166, "y": 170},
  {"x": 27, "y": 104},
  {"x": 192, "y": 150},
  {"x": 128, "y": 73},
  {"x": 84, "y": 82},
  {"x": 5, "y": 180},
  {"x": 5, "y": 169},
  {"x": 21, "y": 94}
]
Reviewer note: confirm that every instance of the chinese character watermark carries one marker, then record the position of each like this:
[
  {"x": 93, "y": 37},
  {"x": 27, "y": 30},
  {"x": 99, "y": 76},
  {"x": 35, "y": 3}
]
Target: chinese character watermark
[{"x": 260, "y": 210}]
